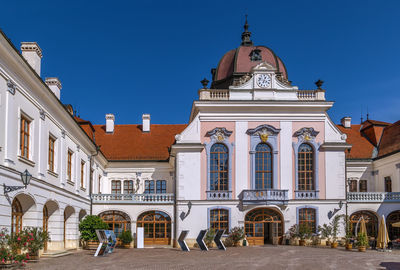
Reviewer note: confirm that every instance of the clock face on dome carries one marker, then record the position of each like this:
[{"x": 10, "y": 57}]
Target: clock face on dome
[{"x": 263, "y": 80}]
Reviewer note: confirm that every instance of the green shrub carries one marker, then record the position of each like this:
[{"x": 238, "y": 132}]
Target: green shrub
[
  {"x": 209, "y": 238},
  {"x": 235, "y": 236},
  {"x": 89, "y": 225},
  {"x": 126, "y": 237},
  {"x": 362, "y": 240}
]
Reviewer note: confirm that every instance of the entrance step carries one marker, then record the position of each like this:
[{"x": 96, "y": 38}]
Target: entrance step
[{"x": 56, "y": 253}]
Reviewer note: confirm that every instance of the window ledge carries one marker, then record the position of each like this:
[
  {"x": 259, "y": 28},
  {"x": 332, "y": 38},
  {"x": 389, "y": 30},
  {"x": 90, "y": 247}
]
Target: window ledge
[
  {"x": 70, "y": 182},
  {"x": 26, "y": 161},
  {"x": 52, "y": 173}
]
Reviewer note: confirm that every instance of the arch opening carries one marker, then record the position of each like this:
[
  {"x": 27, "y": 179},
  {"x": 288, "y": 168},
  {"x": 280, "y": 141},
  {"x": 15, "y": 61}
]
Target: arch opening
[
  {"x": 157, "y": 227},
  {"x": 263, "y": 226}
]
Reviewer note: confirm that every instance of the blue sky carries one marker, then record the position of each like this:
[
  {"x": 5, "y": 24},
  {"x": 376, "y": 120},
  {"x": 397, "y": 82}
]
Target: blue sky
[{"x": 135, "y": 57}]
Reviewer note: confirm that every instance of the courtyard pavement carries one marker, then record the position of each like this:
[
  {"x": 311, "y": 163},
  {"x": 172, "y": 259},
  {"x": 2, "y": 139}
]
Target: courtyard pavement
[{"x": 261, "y": 257}]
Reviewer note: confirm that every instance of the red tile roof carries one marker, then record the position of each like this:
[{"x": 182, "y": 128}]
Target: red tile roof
[
  {"x": 390, "y": 142},
  {"x": 361, "y": 147},
  {"x": 128, "y": 142}
]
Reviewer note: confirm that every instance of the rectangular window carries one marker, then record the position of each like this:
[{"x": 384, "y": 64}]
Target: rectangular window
[
  {"x": 352, "y": 185},
  {"x": 69, "y": 165},
  {"x": 82, "y": 173},
  {"x": 307, "y": 216},
  {"x": 363, "y": 185},
  {"x": 51, "y": 153},
  {"x": 161, "y": 186},
  {"x": 388, "y": 184},
  {"x": 149, "y": 186},
  {"x": 128, "y": 187},
  {"x": 99, "y": 185},
  {"x": 24, "y": 137},
  {"x": 219, "y": 219},
  {"x": 116, "y": 187}
]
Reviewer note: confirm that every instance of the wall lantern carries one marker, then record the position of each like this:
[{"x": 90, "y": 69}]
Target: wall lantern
[{"x": 25, "y": 178}]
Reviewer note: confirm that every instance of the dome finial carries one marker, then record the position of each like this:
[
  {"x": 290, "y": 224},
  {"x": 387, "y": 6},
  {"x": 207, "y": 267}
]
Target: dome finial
[{"x": 246, "y": 41}]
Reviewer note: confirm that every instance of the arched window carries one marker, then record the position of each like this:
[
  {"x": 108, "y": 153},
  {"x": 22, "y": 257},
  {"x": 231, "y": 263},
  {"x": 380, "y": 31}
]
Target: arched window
[
  {"x": 117, "y": 221},
  {"x": 263, "y": 166},
  {"x": 219, "y": 170},
  {"x": 219, "y": 219},
  {"x": 371, "y": 222},
  {"x": 306, "y": 167},
  {"x": 394, "y": 232},
  {"x": 307, "y": 216},
  {"x": 16, "y": 216}
]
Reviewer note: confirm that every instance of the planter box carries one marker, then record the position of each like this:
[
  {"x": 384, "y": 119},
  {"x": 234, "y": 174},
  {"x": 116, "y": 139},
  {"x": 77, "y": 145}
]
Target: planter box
[{"x": 91, "y": 244}]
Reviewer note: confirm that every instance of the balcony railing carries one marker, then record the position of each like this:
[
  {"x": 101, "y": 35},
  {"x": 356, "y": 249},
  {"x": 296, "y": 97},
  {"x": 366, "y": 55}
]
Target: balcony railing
[
  {"x": 264, "y": 196},
  {"x": 223, "y": 94},
  {"x": 306, "y": 194},
  {"x": 373, "y": 197},
  {"x": 163, "y": 198},
  {"x": 219, "y": 195}
]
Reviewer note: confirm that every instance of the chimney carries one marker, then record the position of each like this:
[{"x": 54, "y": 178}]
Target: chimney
[
  {"x": 146, "y": 123},
  {"x": 110, "y": 122},
  {"x": 32, "y": 54},
  {"x": 346, "y": 121},
  {"x": 55, "y": 85}
]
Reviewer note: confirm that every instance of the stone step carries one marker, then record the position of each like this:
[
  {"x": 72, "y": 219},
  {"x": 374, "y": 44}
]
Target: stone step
[{"x": 56, "y": 253}]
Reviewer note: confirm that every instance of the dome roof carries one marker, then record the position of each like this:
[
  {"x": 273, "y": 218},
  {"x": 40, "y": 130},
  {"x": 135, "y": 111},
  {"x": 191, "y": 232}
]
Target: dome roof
[{"x": 237, "y": 62}]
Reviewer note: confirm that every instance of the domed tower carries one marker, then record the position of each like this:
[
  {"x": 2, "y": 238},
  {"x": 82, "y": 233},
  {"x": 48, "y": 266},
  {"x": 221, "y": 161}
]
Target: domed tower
[{"x": 239, "y": 62}]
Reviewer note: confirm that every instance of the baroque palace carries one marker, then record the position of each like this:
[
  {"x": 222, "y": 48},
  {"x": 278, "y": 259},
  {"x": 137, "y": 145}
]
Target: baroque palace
[{"x": 257, "y": 153}]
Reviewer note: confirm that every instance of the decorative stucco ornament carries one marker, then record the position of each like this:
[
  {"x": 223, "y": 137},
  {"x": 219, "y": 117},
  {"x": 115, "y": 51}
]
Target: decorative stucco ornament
[
  {"x": 11, "y": 87},
  {"x": 306, "y": 134},
  {"x": 219, "y": 134}
]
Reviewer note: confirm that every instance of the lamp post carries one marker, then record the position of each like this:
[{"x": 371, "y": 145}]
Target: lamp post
[{"x": 25, "y": 178}]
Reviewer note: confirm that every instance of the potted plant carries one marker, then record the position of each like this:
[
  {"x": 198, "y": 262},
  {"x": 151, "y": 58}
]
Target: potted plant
[
  {"x": 209, "y": 238},
  {"x": 349, "y": 234},
  {"x": 88, "y": 227},
  {"x": 362, "y": 242},
  {"x": 335, "y": 230},
  {"x": 8, "y": 252},
  {"x": 36, "y": 238},
  {"x": 326, "y": 232},
  {"x": 304, "y": 232},
  {"x": 126, "y": 239},
  {"x": 235, "y": 236}
]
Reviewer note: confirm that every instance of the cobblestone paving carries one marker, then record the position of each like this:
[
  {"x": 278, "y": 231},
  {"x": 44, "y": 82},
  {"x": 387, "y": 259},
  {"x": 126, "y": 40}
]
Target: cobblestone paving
[{"x": 263, "y": 257}]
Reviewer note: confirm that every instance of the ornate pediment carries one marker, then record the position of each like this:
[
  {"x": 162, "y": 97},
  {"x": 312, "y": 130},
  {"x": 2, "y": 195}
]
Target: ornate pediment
[
  {"x": 219, "y": 134},
  {"x": 306, "y": 134},
  {"x": 263, "y": 66},
  {"x": 263, "y": 131}
]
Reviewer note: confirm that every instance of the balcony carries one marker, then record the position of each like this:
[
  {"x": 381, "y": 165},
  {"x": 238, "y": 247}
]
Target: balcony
[
  {"x": 219, "y": 195},
  {"x": 264, "y": 196},
  {"x": 157, "y": 198},
  {"x": 306, "y": 194},
  {"x": 373, "y": 197}
]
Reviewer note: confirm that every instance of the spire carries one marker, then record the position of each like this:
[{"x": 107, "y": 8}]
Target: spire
[{"x": 246, "y": 41}]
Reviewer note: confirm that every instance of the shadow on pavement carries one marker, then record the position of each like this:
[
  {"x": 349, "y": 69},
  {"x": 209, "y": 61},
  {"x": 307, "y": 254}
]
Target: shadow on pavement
[{"x": 391, "y": 265}]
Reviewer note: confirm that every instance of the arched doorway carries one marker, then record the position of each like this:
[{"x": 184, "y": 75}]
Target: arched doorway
[
  {"x": 371, "y": 222},
  {"x": 16, "y": 216},
  {"x": 263, "y": 226},
  {"x": 157, "y": 227},
  {"x": 68, "y": 229},
  {"x": 45, "y": 223},
  {"x": 394, "y": 233},
  {"x": 23, "y": 212},
  {"x": 117, "y": 221},
  {"x": 51, "y": 221}
]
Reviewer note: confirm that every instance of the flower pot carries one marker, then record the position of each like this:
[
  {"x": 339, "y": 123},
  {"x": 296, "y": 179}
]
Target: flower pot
[
  {"x": 349, "y": 246},
  {"x": 334, "y": 245},
  {"x": 92, "y": 244},
  {"x": 302, "y": 243},
  {"x": 362, "y": 248},
  {"x": 126, "y": 245},
  {"x": 33, "y": 257}
]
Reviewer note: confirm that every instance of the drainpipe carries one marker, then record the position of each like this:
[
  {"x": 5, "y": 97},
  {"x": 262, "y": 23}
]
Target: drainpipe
[
  {"x": 91, "y": 178},
  {"x": 346, "y": 186},
  {"x": 175, "y": 206}
]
